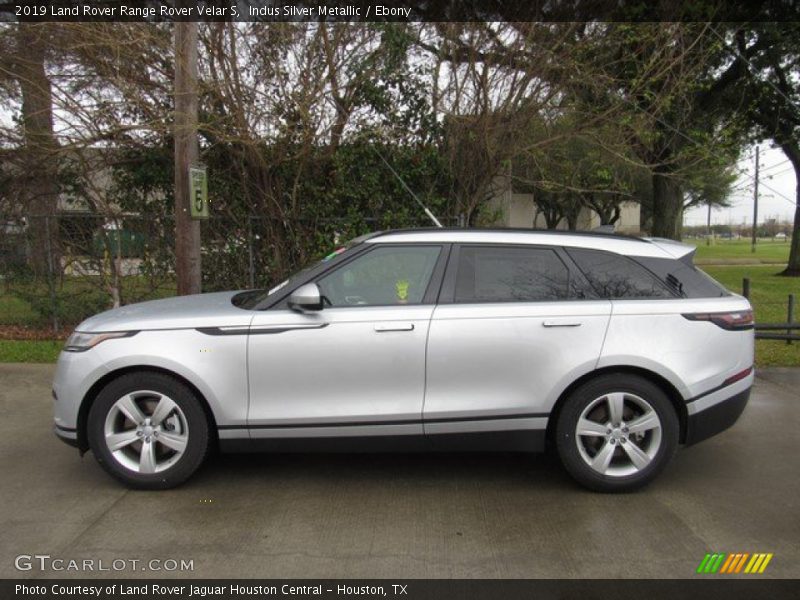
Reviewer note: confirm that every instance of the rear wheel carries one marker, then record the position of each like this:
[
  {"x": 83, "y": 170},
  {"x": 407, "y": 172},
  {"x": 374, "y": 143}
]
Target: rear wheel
[
  {"x": 616, "y": 433},
  {"x": 148, "y": 430}
]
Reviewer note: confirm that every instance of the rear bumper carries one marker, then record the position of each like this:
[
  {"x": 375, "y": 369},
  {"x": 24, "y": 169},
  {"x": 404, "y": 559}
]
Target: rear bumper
[{"x": 703, "y": 424}]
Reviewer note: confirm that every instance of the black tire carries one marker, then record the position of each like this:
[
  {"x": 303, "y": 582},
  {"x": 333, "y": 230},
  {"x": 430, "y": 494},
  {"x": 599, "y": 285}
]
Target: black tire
[
  {"x": 193, "y": 420},
  {"x": 574, "y": 450}
]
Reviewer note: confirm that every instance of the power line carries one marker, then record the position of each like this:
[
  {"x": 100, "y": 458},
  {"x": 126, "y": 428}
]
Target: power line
[
  {"x": 772, "y": 189},
  {"x": 781, "y": 172},
  {"x": 752, "y": 67},
  {"x": 699, "y": 145},
  {"x": 778, "y": 164}
]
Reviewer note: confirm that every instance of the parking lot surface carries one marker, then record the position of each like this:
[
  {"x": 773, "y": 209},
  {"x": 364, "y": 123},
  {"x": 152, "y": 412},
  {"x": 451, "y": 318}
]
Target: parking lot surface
[{"x": 402, "y": 516}]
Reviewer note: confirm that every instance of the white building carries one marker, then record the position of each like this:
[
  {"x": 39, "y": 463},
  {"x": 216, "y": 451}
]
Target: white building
[{"x": 515, "y": 209}]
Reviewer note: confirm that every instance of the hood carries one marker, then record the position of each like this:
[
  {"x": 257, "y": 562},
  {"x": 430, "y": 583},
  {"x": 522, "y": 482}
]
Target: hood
[{"x": 180, "y": 312}]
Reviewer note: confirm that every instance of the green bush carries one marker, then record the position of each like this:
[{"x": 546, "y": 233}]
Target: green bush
[{"x": 72, "y": 304}]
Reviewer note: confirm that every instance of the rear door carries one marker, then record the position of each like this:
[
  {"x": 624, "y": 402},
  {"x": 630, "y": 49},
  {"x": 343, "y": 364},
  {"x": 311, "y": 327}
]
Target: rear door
[{"x": 514, "y": 326}]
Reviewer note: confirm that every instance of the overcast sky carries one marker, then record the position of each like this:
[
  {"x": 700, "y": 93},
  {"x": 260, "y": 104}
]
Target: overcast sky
[{"x": 777, "y": 202}]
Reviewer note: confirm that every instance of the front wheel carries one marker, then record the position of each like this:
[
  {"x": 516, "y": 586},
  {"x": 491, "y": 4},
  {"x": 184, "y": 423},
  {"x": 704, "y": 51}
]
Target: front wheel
[
  {"x": 148, "y": 430},
  {"x": 616, "y": 433}
]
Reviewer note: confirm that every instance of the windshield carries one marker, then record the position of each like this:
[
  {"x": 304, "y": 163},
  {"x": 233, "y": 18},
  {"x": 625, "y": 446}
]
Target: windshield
[
  {"x": 304, "y": 270},
  {"x": 251, "y": 299}
]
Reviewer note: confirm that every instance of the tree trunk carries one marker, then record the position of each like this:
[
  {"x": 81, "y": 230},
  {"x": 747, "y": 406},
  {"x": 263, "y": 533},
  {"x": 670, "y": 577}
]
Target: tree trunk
[
  {"x": 187, "y": 230},
  {"x": 610, "y": 213},
  {"x": 40, "y": 171},
  {"x": 551, "y": 219},
  {"x": 572, "y": 221},
  {"x": 667, "y": 206},
  {"x": 793, "y": 268}
]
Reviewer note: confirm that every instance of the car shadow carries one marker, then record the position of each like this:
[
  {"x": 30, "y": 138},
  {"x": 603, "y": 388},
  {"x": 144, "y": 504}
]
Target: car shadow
[{"x": 508, "y": 469}]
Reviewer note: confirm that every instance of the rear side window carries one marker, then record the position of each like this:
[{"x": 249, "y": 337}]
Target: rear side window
[
  {"x": 687, "y": 279},
  {"x": 615, "y": 277},
  {"x": 510, "y": 274}
]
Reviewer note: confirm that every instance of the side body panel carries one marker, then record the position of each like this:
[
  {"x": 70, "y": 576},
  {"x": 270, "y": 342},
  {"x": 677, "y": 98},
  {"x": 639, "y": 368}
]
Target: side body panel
[
  {"x": 694, "y": 357},
  {"x": 216, "y": 365},
  {"x": 341, "y": 372},
  {"x": 500, "y": 366}
]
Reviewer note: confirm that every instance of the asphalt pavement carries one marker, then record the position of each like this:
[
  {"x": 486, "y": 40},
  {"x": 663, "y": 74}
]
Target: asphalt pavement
[{"x": 398, "y": 516}]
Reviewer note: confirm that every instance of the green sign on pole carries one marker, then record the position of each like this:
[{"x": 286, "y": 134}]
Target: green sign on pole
[{"x": 198, "y": 192}]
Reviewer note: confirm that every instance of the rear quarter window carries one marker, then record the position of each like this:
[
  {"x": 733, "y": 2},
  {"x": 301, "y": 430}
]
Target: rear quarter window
[
  {"x": 689, "y": 280},
  {"x": 614, "y": 276}
]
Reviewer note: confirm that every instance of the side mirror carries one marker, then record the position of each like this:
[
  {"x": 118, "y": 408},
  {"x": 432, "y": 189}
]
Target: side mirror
[{"x": 306, "y": 297}]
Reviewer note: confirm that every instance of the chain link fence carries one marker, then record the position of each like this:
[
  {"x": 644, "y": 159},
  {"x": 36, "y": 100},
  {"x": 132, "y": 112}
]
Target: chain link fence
[{"x": 58, "y": 270}]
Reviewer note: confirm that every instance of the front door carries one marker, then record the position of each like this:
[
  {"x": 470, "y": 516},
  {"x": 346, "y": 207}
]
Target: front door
[{"x": 356, "y": 367}]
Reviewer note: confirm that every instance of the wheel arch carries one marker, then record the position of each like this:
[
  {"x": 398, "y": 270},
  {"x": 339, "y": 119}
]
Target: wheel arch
[
  {"x": 94, "y": 390},
  {"x": 668, "y": 388}
]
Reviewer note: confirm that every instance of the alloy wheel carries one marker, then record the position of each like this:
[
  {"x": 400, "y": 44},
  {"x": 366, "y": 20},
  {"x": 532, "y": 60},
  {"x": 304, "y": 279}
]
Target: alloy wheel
[
  {"x": 618, "y": 434},
  {"x": 146, "y": 432}
]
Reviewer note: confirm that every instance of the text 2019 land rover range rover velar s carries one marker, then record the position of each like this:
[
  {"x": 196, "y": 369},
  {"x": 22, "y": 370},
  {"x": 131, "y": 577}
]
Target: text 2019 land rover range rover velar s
[{"x": 613, "y": 350}]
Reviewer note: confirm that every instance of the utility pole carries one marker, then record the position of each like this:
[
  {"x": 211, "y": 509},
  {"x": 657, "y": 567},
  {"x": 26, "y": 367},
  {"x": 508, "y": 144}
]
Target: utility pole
[
  {"x": 708, "y": 226},
  {"x": 187, "y": 230},
  {"x": 755, "y": 205}
]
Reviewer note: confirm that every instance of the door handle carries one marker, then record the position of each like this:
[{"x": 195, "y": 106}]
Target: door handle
[
  {"x": 381, "y": 327},
  {"x": 561, "y": 323}
]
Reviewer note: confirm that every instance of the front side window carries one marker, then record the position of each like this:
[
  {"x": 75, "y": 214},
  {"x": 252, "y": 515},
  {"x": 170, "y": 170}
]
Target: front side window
[
  {"x": 616, "y": 277},
  {"x": 510, "y": 274},
  {"x": 384, "y": 276}
]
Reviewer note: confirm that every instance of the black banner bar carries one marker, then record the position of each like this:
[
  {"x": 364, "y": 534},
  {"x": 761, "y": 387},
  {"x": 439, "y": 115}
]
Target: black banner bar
[
  {"x": 709, "y": 588},
  {"x": 397, "y": 11}
]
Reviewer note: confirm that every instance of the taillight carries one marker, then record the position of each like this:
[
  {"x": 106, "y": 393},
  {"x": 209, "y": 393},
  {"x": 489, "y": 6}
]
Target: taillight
[
  {"x": 732, "y": 321},
  {"x": 738, "y": 377}
]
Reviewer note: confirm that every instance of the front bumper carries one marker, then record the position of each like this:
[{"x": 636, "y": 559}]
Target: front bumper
[
  {"x": 66, "y": 435},
  {"x": 716, "y": 418}
]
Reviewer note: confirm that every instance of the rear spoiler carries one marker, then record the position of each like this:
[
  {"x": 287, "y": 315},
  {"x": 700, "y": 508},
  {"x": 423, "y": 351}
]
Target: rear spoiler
[{"x": 679, "y": 250}]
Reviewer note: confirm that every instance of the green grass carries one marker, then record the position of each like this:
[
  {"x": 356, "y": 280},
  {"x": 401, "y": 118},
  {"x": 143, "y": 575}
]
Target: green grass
[
  {"x": 769, "y": 296},
  {"x": 29, "y": 351},
  {"x": 733, "y": 251}
]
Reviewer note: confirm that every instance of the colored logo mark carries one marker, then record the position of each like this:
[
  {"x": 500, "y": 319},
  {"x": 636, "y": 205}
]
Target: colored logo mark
[{"x": 739, "y": 562}]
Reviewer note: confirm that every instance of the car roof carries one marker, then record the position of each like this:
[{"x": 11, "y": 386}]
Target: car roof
[{"x": 620, "y": 244}]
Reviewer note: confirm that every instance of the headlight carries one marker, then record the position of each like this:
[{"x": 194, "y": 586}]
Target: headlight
[{"x": 80, "y": 341}]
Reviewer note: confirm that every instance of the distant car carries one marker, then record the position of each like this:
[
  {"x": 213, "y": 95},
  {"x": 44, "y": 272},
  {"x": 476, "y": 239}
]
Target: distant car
[
  {"x": 780, "y": 236},
  {"x": 614, "y": 349}
]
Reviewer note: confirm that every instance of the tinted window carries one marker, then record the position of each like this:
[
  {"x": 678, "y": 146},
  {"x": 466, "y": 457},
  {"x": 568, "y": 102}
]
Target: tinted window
[
  {"x": 509, "y": 274},
  {"x": 616, "y": 276},
  {"x": 386, "y": 275},
  {"x": 685, "y": 278}
]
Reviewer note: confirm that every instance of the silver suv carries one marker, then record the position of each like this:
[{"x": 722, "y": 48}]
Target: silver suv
[{"x": 613, "y": 350}]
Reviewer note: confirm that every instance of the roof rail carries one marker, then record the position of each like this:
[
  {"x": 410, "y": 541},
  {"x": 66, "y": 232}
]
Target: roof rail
[{"x": 564, "y": 232}]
